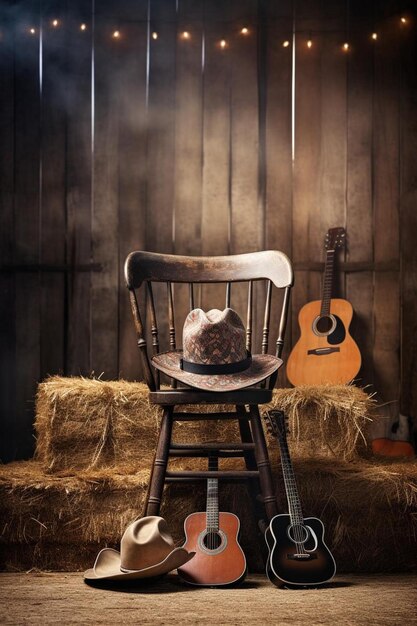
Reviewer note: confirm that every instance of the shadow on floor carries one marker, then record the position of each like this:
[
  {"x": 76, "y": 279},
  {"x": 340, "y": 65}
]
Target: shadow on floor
[{"x": 165, "y": 584}]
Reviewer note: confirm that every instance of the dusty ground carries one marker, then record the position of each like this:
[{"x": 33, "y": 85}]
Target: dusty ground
[{"x": 62, "y": 598}]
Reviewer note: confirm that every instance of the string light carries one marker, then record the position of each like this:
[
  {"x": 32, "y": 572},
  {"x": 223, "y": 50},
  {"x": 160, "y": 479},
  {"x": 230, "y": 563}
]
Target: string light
[{"x": 223, "y": 43}]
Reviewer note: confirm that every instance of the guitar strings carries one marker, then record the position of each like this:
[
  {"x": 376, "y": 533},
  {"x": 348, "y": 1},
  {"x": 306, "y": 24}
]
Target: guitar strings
[{"x": 291, "y": 488}]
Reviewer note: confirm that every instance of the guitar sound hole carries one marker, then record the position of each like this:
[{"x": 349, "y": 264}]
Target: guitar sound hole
[
  {"x": 324, "y": 324},
  {"x": 298, "y": 533},
  {"x": 212, "y": 541}
]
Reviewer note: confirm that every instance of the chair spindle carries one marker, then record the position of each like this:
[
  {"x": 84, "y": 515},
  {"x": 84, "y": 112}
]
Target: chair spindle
[
  {"x": 154, "y": 327},
  {"x": 265, "y": 331},
  {"x": 191, "y": 286},
  {"x": 249, "y": 318},
  {"x": 283, "y": 322},
  {"x": 228, "y": 294},
  {"x": 171, "y": 318},
  {"x": 150, "y": 381}
]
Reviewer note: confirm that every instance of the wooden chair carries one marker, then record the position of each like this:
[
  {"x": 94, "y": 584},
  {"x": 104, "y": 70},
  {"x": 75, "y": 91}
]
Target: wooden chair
[{"x": 142, "y": 269}]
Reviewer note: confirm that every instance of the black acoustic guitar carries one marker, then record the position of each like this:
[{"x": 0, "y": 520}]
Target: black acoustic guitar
[{"x": 297, "y": 552}]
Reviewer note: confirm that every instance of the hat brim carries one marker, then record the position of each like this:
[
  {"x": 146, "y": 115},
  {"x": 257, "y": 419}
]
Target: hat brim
[
  {"x": 108, "y": 562},
  {"x": 262, "y": 366}
]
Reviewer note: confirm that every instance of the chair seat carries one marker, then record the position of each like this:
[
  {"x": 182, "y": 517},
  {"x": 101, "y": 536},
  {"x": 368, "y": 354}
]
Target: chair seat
[{"x": 186, "y": 395}]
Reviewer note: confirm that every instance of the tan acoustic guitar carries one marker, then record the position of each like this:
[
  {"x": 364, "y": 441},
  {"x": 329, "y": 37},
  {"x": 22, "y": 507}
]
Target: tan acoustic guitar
[
  {"x": 213, "y": 536},
  {"x": 325, "y": 351}
]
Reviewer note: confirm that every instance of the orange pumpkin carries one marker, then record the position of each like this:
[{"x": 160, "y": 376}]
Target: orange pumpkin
[{"x": 387, "y": 447}]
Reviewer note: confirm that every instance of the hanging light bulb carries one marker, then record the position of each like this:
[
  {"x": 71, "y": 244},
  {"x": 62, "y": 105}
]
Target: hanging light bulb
[
  {"x": 244, "y": 31},
  {"x": 403, "y": 20},
  {"x": 116, "y": 34},
  {"x": 285, "y": 43},
  {"x": 83, "y": 27},
  {"x": 309, "y": 43},
  {"x": 32, "y": 31},
  {"x": 374, "y": 36},
  {"x": 186, "y": 35},
  {"x": 154, "y": 35},
  {"x": 346, "y": 46},
  {"x": 223, "y": 43},
  {"x": 55, "y": 23}
]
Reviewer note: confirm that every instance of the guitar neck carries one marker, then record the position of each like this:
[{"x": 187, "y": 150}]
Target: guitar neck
[
  {"x": 327, "y": 283},
  {"x": 212, "y": 506},
  {"x": 294, "y": 504}
]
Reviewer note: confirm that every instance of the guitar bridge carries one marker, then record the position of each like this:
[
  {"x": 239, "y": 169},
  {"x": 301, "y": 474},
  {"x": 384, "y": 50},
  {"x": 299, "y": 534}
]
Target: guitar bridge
[
  {"x": 321, "y": 351},
  {"x": 301, "y": 557}
]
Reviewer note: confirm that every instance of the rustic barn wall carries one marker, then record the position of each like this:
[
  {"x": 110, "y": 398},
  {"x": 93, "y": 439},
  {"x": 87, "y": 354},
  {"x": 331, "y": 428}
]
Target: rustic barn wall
[{"x": 158, "y": 140}]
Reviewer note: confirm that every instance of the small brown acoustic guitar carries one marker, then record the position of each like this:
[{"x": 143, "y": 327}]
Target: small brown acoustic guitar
[
  {"x": 325, "y": 351},
  {"x": 298, "y": 555},
  {"x": 213, "y": 536}
]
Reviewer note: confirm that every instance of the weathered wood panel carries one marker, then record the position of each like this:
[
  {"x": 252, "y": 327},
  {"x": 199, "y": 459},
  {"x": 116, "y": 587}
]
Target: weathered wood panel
[
  {"x": 307, "y": 127},
  {"x": 105, "y": 215},
  {"x": 275, "y": 26},
  {"x": 53, "y": 201},
  {"x": 386, "y": 211},
  {"x": 408, "y": 228},
  {"x": 132, "y": 167},
  {"x": 188, "y": 143},
  {"x": 359, "y": 285},
  {"x": 161, "y": 144},
  {"x": 216, "y": 207},
  {"x": 26, "y": 221},
  {"x": 79, "y": 185},
  {"x": 8, "y": 415}
]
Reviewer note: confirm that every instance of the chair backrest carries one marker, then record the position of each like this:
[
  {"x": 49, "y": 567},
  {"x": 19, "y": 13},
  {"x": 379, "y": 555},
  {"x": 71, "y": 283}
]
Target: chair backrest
[{"x": 143, "y": 269}]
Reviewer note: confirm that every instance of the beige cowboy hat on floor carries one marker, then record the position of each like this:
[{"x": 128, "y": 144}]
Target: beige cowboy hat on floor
[
  {"x": 214, "y": 355},
  {"x": 146, "y": 550}
]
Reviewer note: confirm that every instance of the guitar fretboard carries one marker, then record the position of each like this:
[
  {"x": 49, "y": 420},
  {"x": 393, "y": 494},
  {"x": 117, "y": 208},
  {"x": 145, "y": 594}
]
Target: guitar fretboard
[
  {"x": 327, "y": 283},
  {"x": 212, "y": 507},
  {"x": 294, "y": 504}
]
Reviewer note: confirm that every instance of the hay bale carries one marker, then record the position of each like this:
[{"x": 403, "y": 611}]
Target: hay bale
[
  {"x": 327, "y": 420},
  {"x": 86, "y": 423},
  {"x": 83, "y": 423},
  {"x": 369, "y": 510}
]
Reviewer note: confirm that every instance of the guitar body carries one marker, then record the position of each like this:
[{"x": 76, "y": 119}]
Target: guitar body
[
  {"x": 223, "y": 564},
  {"x": 284, "y": 568},
  {"x": 325, "y": 351}
]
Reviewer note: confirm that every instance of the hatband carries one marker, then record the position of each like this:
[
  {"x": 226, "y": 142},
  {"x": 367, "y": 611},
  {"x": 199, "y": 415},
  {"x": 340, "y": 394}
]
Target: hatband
[{"x": 216, "y": 368}]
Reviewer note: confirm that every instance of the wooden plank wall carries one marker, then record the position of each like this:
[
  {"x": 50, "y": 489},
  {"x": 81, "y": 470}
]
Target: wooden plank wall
[{"x": 160, "y": 138}]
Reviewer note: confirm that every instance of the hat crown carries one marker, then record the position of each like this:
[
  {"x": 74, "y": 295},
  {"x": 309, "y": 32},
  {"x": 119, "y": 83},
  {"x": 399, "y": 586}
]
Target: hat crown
[
  {"x": 145, "y": 542},
  {"x": 214, "y": 338}
]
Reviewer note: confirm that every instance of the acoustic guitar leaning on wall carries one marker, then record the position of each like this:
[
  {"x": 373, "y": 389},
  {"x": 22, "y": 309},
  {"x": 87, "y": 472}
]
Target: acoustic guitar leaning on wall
[
  {"x": 325, "y": 351},
  {"x": 219, "y": 560}
]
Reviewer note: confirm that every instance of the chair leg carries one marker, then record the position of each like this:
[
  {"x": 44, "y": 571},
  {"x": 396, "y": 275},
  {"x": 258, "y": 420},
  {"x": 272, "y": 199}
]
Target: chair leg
[
  {"x": 253, "y": 483},
  {"x": 262, "y": 461},
  {"x": 157, "y": 481},
  {"x": 250, "y": 462}
]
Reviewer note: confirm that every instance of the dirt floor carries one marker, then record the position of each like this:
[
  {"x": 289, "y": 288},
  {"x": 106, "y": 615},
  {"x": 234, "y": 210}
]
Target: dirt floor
[{"x": 62, "y": 598}]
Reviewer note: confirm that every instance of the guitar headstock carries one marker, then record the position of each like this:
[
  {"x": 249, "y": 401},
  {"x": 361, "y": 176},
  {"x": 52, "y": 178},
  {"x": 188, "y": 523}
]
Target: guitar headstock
[
  {"x": 276, "y": 423},
  {"x": 335, "y": 238}
]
